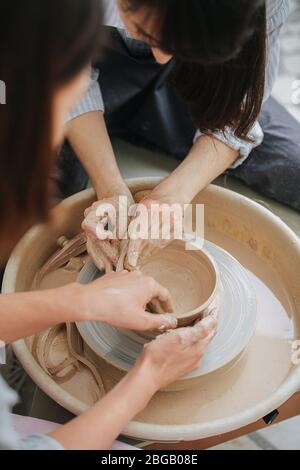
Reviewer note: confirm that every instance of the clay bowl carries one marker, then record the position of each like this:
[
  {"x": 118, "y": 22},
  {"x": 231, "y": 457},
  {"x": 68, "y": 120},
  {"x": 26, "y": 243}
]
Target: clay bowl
[
  {"x": 200, "y": 279},
  {"x": 191, "y": 276}
]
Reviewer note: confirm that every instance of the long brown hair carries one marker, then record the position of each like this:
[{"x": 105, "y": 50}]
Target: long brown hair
[
  {"x": 220, "y": 50},
  {"x": 43, "y": 44}
]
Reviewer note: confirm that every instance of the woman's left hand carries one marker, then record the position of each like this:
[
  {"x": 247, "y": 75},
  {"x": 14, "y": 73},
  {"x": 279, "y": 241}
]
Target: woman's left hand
[
  {"x": 106, "y": 224},
  {"x": 155, "y": 224}
]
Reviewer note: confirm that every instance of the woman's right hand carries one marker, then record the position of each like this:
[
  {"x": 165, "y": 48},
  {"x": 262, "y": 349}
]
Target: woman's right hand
[
  {"x": 176, "y": 353},
  {"x": 120, "y": 299}
]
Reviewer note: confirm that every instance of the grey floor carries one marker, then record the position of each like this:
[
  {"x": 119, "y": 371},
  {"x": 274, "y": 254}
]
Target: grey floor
[{"x": 287, "y": 87}]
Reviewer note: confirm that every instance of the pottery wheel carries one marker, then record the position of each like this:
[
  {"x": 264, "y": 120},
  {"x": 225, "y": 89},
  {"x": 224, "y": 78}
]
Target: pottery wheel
[{"x": 237, "y": 321}]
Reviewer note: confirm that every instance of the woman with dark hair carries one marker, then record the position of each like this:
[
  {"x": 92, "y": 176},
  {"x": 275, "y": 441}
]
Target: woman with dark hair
[
  {"x": 45, "y": 51},
  {"x": 193, "y": 79}
]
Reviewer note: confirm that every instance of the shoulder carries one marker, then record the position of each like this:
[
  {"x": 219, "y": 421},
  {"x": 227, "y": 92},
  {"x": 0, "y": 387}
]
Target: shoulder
[{"x": 277, "y": 13}]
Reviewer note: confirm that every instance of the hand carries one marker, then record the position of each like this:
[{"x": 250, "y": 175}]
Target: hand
[
  {"x": 176, "y": 353},
  {"x": 161, "y": 222},
  {"x": 120, "y": 299},
  {"x": 103, "y": 217},
  {"x": 104, "y": 231}
]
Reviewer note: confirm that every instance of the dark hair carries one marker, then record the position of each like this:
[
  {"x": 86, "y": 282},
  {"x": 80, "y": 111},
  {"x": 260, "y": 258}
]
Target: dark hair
[
  {"x": 43, "y": 45},
  {"x": 220, "y": 50}
]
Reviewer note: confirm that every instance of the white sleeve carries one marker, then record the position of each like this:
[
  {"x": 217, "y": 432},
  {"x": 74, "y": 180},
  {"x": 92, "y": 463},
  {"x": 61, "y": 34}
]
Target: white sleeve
[{"x": 92, "y": 100}]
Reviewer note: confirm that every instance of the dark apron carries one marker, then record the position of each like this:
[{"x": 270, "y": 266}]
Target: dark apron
[
  {"x": 141, "y": 104},
  {"x": 143, "y": 107}
]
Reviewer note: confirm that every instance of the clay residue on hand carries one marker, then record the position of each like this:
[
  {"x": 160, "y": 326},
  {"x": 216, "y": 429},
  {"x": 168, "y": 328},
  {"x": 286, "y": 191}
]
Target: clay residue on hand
[{"x": 188, "y": 275}]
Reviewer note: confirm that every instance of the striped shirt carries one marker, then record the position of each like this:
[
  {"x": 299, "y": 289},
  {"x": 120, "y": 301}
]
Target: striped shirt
[{"x": 277, "y": 13}]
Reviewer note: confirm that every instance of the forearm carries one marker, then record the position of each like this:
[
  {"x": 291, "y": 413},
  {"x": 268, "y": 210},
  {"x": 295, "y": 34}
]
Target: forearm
[
  {"x": 22, "y": 315},
  {"x": 154, "y": 370},
  {"x": 90, "y": 140},
  {"x": 207, "y": 159},
  {"x": 104, "y": 422}
]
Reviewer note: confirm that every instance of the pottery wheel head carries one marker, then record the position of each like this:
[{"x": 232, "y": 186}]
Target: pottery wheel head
[{"x": 237, "y": 315}]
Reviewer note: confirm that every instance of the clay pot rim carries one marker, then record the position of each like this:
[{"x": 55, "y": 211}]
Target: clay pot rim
[
  {"x": 89, "y": 273},
  {"x": 197, "y": 311}
]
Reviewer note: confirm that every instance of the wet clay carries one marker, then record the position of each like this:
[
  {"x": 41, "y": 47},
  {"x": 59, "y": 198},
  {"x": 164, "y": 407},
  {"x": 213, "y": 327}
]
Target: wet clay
[
  {"x": 190, "y": 277},
  {"x": 61, "y": 269},
  {"x": 260, "y": 370},
  {"x": 67, "y": 255},
  {"x": 235, "y": 303},
  {"x": 262, "y": 379}
]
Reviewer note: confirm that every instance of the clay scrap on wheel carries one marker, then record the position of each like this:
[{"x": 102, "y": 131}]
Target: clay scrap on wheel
[{"x": 193, "y": 290}]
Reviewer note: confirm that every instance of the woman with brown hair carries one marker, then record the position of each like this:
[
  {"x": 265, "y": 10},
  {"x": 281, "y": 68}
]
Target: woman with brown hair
[
  {"x": 192, "y": 79},
  {"x": 45, "y": 49}
]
